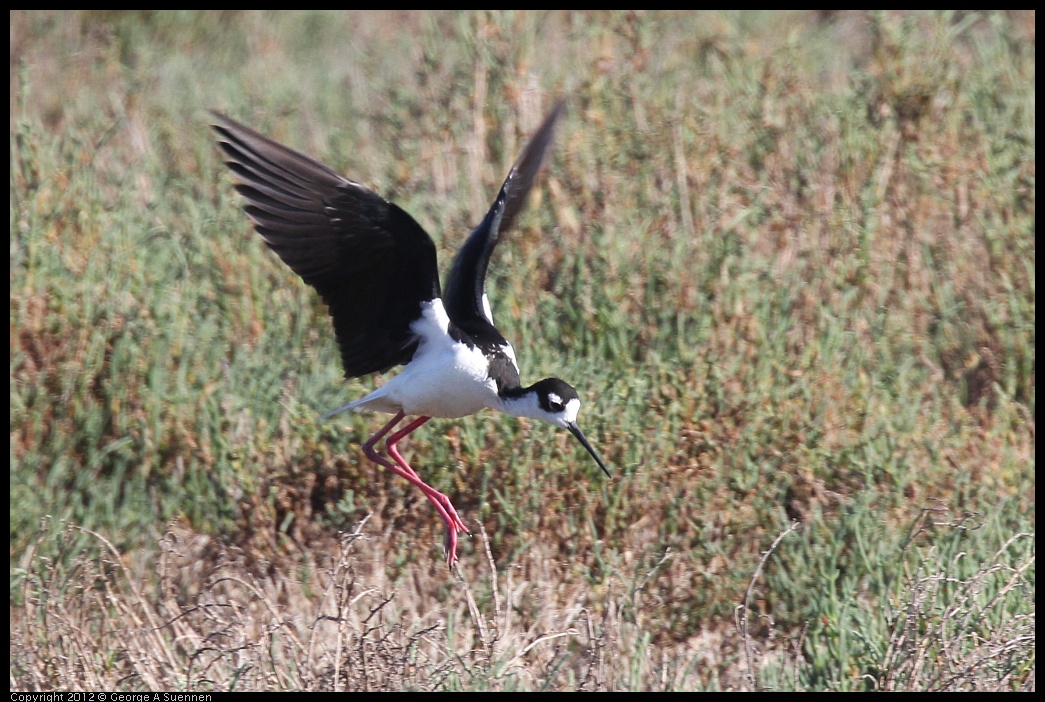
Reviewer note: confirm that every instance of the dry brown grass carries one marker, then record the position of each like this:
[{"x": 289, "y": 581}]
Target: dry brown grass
[
  {"x": 202, "y": 618},
  {"x": 942, "y": 637},
  {"x": 206, "y": 620}
]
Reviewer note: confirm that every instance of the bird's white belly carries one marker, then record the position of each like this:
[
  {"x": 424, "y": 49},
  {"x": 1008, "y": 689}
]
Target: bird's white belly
[
  {"x": 445, "y": 378},
  {"x": 449, "y": 383}
]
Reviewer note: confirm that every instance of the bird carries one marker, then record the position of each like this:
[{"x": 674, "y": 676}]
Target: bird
[{"x": 376, "y": 269}]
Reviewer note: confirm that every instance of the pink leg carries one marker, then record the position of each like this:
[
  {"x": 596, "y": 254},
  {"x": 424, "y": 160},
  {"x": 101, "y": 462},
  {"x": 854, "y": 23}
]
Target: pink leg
[
  {"x": 437, "y": 498},
  {"x": 442, "y": 502}
]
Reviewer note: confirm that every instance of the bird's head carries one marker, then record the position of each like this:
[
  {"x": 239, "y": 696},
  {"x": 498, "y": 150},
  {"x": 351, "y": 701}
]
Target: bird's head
[{"x": 554, "y": 401}]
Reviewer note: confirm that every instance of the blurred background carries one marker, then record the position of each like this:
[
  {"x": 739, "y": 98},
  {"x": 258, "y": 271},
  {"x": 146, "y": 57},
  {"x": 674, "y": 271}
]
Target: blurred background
[{"x": 787, "y": 259}]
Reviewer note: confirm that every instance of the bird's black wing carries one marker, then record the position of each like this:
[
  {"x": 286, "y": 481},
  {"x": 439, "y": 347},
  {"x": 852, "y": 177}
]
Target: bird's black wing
[
  {"x": 467, "y": 280},
  {"x": 370, "y": 261}
]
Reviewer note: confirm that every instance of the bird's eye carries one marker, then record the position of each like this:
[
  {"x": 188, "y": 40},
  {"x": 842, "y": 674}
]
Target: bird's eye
[{"x": 555, "y": 403}]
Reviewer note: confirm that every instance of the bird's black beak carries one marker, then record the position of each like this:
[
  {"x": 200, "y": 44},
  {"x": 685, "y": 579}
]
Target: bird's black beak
[{"x": 576, "y": 431}]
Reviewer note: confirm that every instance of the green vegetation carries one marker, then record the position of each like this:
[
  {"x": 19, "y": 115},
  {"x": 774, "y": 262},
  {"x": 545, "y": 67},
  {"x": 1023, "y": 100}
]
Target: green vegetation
[{"x": 787, "y": 259}]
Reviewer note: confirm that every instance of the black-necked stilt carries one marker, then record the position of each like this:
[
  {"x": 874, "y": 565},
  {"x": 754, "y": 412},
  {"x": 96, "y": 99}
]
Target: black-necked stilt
[{"x": 375, "y": 268}]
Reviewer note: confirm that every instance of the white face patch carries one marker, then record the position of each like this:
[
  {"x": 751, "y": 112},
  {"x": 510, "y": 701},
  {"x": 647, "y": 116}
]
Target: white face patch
[{"x": 572, "y": 408}]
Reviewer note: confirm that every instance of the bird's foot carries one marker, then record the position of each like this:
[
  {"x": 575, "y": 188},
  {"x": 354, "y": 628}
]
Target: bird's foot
[
  {"x": 450, "y": 547},
  {"x": 454, "y": 523}
]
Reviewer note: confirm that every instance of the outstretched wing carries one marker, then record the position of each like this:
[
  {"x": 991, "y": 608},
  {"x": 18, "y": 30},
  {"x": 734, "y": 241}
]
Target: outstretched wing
[
  {"x": 369, "y": 260},
  {"x": 466, "y": 283}
]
